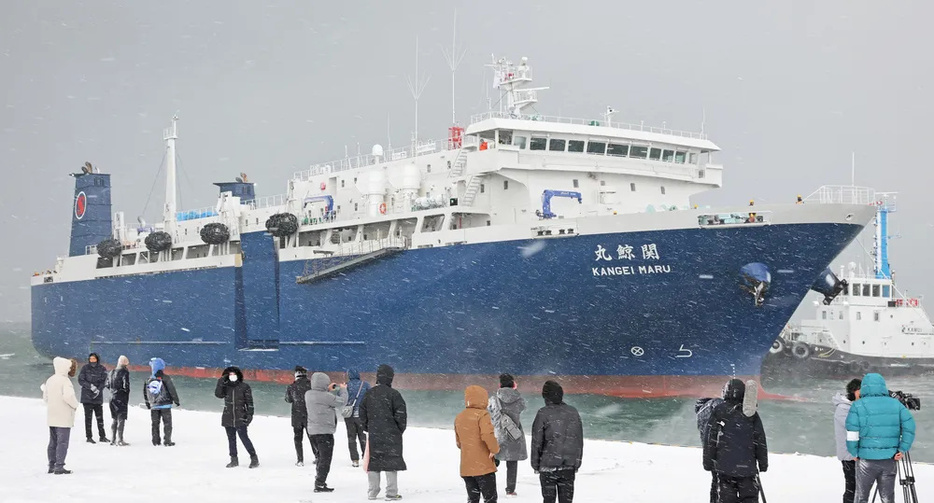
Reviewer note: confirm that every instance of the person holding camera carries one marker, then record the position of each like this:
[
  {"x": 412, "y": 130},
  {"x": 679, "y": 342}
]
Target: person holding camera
[
  {"x": 322, "y": 406},
  {"x": 238, "y": 413},
  {"x": 879, "y": 432},
  {"x": 842, "y": 405}
]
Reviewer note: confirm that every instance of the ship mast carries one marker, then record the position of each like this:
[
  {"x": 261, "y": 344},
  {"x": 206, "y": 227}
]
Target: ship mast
[
  {"x": 454, "y": 60},
  {"x": 169, "y": 214}
]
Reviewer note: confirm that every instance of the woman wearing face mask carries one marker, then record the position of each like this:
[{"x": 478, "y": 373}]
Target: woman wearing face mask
[{"x": 238, "y": 413}]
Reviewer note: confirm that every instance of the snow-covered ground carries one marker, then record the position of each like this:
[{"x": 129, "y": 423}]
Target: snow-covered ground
[{"x": 194, "y": 469}]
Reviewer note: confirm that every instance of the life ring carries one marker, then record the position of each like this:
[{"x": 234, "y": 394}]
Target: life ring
[
  {"x": 777, "y": 347},
  {"x": 801, "y": 350},
  {"x": 324, "y": 186},
  {"x": 382, "y": 208}
]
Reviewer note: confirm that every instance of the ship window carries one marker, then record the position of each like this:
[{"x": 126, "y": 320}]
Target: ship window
[
  {"x": 519, "y": 141},
  {"x": 427, "y": 168},
  {"x": 885, "y": 291},
  {"x": 617, "y": 150},
  {"x": 505, "y": 137},
  {"x": 342, "y": 183},
  {"x": 663, "y": 190},
  {"x": 846, "y": 289},
  {"x": 556, "y": 145},
  {"x": 866, "y": 290},
  {"x": 602, "y": 183},
  {"x": 693, "y": 159},
  {"x": 875, "y": 290},
  {"x": 576, "y": 183},
  {"x": 482, "y": 188},
  {"x": 655, "y": 154},
  {"x": 668, "y": 155},
  {"x": 575, "y": 145},
  {"x": 355, "y": 207},
  {"x": 632, "y": 187},
  {"x": 859, "y": 315},
  {"x": 538, "y": 143},
  {"x": 856, "y": 290},
  {"x": 875, "y": 316},
  {"x": 638, "y": 152},
  {"x": 823, "y": 315},
  {"x": 596, "y": 147},
  {"x": 841, "y": 315},
  {"x": 505, "y": 184},
  {"x": 679, "y": 157}
]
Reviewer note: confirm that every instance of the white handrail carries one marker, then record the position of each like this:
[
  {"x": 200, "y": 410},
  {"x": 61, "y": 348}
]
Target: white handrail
[{"x": 588, "y": 122}]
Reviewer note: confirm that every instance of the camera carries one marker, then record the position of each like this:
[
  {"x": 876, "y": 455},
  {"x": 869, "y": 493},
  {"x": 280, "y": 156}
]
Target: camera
[{"x": 910, "y": 402}]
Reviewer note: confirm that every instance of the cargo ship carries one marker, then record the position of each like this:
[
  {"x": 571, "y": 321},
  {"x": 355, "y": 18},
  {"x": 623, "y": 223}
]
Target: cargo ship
[{"x": 546, "y": 247}]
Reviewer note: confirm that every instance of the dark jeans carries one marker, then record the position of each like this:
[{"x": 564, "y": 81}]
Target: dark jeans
[
  {"x": 714, "y": 487},
  {"x": 849, "y": 475},
  {"x": 244, "y": 437},
  {"x": 481, "y": 485},
  {"x": 512, "y": 470},
  {"x": 738, "y": 489},
  {"x": 58, "y": 446},
  {"x": 166, "y": 416},
  {"x": 324, "y": 444},
  {"x": 558, "y": 484},
  {"x": 299, "y": 438},
  {"x": 90, "y": 409},
  {"x": 355, "y": 434}
]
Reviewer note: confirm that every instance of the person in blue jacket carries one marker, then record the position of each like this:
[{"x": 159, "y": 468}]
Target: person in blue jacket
[
  {"x": 879, "y": 431},
  {"x": 356, "y": 389},
  {"x": 159, "y": 393}
]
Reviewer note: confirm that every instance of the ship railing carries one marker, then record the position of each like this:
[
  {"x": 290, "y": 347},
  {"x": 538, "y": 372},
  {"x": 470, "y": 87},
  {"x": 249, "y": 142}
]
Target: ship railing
[
  {"x": 423, "y": 147},
  {"x": 371, "y": 246},
  {"x": 206, "y": 212},
  {"x": 588, "y": 122},
  {"x": 842, "y": 194},
  {"x": 268, "y": 201}
]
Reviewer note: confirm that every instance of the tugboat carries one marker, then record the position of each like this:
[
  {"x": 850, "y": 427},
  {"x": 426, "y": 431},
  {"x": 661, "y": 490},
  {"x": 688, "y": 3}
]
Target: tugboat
[{"x": 865, "y": 323}]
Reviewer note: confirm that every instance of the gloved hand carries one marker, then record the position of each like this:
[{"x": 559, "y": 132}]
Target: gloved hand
[
  {"x": 249, "y": 419},
  {"x": 178, "y": 404},
  {"x": 763, "y": 468}
]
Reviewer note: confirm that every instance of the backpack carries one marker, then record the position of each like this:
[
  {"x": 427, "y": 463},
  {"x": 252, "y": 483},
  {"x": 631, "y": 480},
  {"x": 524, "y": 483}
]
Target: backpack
[
  {"x": 504, "y": 420},
  {"x": 156, "y": 389}
]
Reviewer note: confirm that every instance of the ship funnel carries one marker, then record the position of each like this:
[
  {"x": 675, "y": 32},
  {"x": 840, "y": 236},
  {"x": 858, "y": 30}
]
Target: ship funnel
[
  {"x": 829, "y": 285},
  {"x": 91, "y": 221}
]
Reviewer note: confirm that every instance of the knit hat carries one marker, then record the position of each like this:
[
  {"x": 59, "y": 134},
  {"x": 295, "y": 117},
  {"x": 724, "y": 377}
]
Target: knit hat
[
  {"x": 552, "y": 392},
  {"x": 506, "y": 381},
  {"x": 734, "y": 390},
  {"x": 300, "y": 372}
]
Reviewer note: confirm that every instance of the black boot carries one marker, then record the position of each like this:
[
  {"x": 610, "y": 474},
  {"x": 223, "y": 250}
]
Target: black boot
[
  {"x": 254, "y": 461},
  {"x": 233, "y": 462},
  {"x": 91, "y": 440}
]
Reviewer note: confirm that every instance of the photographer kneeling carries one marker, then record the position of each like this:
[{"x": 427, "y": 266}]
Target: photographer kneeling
[{"x": 879, "y": 431}]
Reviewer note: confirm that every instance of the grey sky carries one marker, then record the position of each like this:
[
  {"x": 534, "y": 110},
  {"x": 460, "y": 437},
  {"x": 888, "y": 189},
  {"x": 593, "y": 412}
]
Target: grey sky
[{"x": 268, "y": 88}]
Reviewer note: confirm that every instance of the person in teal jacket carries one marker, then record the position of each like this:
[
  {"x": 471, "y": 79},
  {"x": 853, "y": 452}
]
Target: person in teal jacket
[{"x": 879, "y": 431}]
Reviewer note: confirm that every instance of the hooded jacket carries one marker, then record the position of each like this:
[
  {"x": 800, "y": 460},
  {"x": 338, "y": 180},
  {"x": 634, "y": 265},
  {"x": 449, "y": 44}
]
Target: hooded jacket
[
  {"x": 473, "y": 432},
  {"x": 841, "y": 410},
  {"x": 383, "y": 416},
  {"x": 507, "y": 402},
  {"x": 118, "y": 382},
  {"x": 58, "y": 392},
  {"x": 295, "y": 395},
  {"x": 91, "y": 379},
  {"x": 159, "y": 392},
  {"x": 735, "y": 443},
  {"x": 557, "y": 433},
  {"x": 356, "y": 389},
  {"x": 238, "y": 399},
  {"x": 322, "y": 405},
  {"x": 878, "y": 426},
  {"x": 703, "y": 409}
]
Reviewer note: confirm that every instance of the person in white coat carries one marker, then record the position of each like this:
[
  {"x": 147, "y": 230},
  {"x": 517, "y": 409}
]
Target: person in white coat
[{"x": 58, "y": 392}]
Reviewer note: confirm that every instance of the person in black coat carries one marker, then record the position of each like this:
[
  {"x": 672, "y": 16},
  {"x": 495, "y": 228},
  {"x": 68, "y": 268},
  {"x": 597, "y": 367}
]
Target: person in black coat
[
  {"x": 118, "y": 382},
  {"x": 238, "y": 413},
  {"x": 557, "y": 445},
  {"x": 735, "y": 445},
  {"x": 91, "y": 379},
  {"x": 295, "y": 395},
  {"x": 383, "y": 417}
]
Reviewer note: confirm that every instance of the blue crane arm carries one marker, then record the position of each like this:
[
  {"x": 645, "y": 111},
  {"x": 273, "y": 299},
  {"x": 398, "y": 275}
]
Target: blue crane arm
[{"x": 548, "y": 194}]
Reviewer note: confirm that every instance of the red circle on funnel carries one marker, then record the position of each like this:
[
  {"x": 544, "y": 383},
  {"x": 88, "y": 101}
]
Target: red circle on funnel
[{"x": 81, "y": 205}]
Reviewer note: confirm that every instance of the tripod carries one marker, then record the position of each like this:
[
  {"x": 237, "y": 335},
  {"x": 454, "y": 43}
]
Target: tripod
[{"x": 906, "y": 478}]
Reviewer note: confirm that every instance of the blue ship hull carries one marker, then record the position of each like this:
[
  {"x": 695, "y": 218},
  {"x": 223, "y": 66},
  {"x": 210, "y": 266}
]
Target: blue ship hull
[{"x": 551, "y": 307}]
